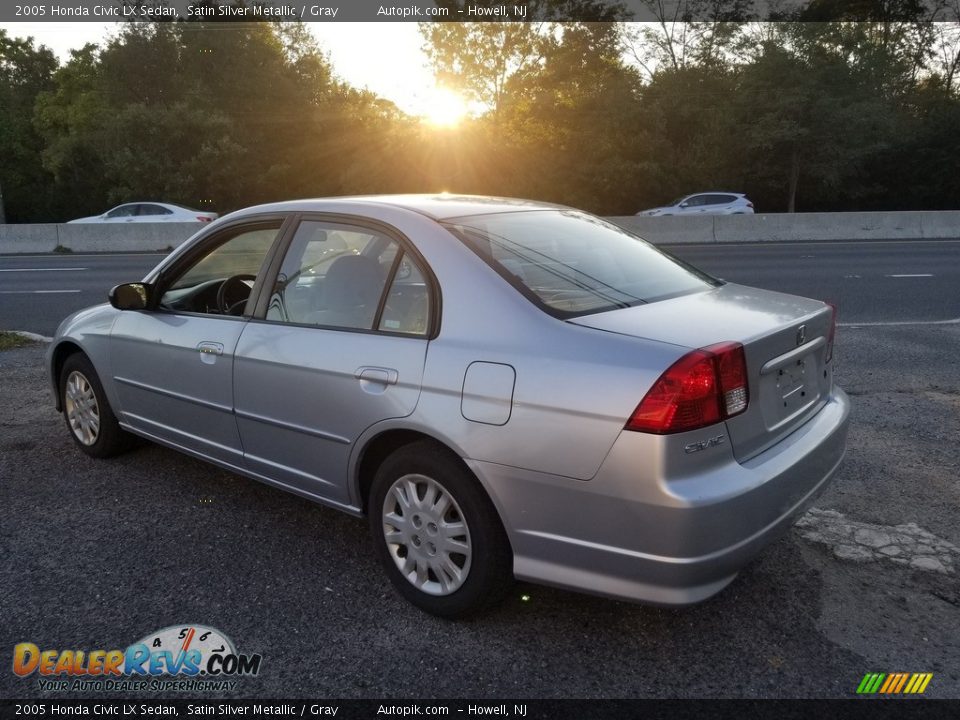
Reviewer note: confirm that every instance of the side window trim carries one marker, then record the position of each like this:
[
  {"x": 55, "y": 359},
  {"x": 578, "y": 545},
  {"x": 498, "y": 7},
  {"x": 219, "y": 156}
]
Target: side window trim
[
  {"x": 388, "y": 285},
  {"x": 282, "y": 246}
]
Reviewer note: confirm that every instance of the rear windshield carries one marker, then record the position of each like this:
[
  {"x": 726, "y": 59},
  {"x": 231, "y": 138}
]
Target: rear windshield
[{"x": 570, "y": 263}]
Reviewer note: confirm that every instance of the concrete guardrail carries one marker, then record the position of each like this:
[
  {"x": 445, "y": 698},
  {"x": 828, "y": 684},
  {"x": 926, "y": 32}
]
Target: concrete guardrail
[
  {"x": 795, "y": 227},
  {"x": 767, "y": 227},
  {"x": 94, "y": 237}
]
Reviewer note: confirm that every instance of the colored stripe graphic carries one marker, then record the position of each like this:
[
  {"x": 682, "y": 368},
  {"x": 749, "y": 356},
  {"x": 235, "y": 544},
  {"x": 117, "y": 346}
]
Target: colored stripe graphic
[
  {"x": 903, "y": 681},
  {"x": 870, "y": 683},
  {"x": 891, "y": 680},
  {"x": 894, "y": 683}
]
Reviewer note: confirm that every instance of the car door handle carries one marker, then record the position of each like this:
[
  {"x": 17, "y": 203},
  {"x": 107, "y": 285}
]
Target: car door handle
[
  {"x": 211, "y": 348},
  {"x": 380, "y": 375}
]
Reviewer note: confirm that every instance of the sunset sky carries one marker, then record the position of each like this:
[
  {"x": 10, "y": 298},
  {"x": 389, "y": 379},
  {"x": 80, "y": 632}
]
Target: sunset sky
[{"x": 383, "y": 57}]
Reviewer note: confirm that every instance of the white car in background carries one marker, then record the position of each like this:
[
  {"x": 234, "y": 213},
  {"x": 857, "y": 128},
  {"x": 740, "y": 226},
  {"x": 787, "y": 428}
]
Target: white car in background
[
  {"x": 708, "y": 203},
  {"x": 150, "y": 212}
]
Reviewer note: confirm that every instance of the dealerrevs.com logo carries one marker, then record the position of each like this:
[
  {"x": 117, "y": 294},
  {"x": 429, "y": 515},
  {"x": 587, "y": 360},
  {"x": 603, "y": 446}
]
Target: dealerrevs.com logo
[{"x": 180, "y": 657}]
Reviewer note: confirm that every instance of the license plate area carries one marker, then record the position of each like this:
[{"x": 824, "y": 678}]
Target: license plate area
[
  {"x": 790, "y": 390},
  {"x": 792, "y": 385}
]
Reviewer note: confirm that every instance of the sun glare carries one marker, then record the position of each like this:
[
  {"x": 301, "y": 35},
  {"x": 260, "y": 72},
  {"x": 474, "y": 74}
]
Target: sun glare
[{"x": 445, "y": 108}]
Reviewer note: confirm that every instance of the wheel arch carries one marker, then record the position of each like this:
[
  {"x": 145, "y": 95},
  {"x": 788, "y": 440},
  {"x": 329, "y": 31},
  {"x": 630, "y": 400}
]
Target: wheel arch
[
  {"x": 58, "y": 357},
  {"x": 381, "y": 441},
  {"x": 377, "y": 448}
]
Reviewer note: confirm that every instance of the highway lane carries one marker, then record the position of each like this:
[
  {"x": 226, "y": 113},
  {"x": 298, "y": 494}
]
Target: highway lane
[
  {"x": 871, "y": 282},
  {"x": 806, "y": 619},
  {"x": 38, "y": 291}
]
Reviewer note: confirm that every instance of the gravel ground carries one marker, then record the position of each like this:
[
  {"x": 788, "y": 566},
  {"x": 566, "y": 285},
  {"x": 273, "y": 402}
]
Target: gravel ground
[{"x": 97, "y": 554}]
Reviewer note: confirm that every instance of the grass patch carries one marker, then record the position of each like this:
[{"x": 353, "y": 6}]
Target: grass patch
[
  {"x": 9, "y": 340},
  {"x": 62, "y": 250}
]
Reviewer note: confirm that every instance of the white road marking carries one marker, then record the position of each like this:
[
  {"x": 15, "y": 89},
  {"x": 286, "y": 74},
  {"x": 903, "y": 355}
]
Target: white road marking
[
  {"x": 851, "y": 276},
  {"x": 39, "y": 269},
  {"x": 911, "y": 275},
  {"x": 36, "y": 292}
]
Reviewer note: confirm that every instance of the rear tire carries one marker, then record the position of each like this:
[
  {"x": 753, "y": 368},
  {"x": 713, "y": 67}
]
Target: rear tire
[
  {"x": 437, "y": 533},
  {"x": 89, "y": 417}
]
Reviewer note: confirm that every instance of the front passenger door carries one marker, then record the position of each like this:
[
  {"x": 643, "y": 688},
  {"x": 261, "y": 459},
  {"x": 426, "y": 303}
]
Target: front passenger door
[{"x": 173, "y": 363}]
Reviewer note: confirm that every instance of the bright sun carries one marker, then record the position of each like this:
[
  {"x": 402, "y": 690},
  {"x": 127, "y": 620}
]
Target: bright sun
[{"x": 444, "y": 108}]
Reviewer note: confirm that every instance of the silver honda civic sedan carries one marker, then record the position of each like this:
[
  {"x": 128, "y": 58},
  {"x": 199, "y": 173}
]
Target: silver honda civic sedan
[{"x": 506, "y": 389}]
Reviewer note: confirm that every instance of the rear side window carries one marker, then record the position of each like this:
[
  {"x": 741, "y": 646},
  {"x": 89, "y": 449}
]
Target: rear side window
[
  {"x": 123, "y": 211},
  {"x": 570, "y": 263},
  {"x": 338, "y": 275},
  {"x": 722, "y": 199},
  {"x": 154, "y": 210}
]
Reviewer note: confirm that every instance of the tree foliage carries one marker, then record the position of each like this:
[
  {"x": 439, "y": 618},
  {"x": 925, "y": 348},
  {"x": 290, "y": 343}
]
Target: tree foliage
[
  {"x": 25, "y": 72},
  {"x": 603, "y": 115}
]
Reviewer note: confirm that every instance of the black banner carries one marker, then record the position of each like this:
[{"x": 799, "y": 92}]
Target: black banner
[{"x": 472, "y": 709}]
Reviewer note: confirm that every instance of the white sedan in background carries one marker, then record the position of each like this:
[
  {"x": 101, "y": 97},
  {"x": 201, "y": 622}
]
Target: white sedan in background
[
  {"x": 710, "y": 203},
  {"x": 150, "y": 212}
]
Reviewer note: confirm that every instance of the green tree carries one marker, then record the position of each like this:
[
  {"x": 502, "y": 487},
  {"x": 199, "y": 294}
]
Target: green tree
[
  {"x": 481, "y": 59},
  {"x": 25, "y": 72}
]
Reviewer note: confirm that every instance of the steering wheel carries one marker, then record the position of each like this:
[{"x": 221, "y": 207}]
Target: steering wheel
[{"x": 233, "y": 293}]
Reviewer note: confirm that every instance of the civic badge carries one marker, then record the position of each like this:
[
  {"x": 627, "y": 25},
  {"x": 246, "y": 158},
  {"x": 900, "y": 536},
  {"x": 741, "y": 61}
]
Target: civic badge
[{"x": 801, "y": 334}]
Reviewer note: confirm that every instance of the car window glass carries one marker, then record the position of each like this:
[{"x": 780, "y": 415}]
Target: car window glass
[
  {"x": 123, "y": 211},
  {"x": 721, "y": 199},
  {"x": 574, "y": 263},
  {"x": 236, "y": 257},
  {"x": 697, "y": 201},
  {"x": 333, "y": 275},
  {"x": 407, "y": 309},
  {"x": 154, "y": 210}
]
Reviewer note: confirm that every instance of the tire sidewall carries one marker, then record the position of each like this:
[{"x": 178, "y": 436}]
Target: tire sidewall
[
  {"x": 491, "y": 559},
  {"x": 111, "y": 438}
]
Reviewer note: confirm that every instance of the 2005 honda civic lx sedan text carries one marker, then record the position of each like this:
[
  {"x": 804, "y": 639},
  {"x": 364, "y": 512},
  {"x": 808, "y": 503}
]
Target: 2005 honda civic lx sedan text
[{"x": 505, "y": 388}]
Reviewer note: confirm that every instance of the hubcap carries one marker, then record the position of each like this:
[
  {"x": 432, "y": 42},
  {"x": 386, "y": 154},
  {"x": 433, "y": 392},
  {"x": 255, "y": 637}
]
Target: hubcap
[
  {"x": 426, "y": 534},
  {"x": 83, "y": 412}
]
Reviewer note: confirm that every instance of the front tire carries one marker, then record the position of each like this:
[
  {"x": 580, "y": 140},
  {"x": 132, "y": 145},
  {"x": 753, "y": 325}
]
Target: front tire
[
  {"x": 437, "y": 533},
  {"x": 88, "y": 415}
]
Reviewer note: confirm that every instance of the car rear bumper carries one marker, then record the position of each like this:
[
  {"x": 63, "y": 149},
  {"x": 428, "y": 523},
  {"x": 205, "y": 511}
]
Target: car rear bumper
[{"x": 659, "y": 525}]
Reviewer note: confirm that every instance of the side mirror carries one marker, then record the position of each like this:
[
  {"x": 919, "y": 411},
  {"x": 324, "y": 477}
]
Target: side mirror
[
  {"x": 131, "y": 296},
  {"x": 684, "y": 205}
]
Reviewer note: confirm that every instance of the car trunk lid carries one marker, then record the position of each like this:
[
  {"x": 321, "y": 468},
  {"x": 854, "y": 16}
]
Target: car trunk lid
[{"x": 785, "y": 341}]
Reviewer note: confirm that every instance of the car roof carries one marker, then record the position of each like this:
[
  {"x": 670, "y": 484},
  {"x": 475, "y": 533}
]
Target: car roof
[
  {"x": 440, "y": 206},
  {"x": 716, "y": 192}
]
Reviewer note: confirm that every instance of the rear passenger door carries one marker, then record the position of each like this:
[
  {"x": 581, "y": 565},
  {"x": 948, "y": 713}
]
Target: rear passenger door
[{"x": 338, "y": 345}]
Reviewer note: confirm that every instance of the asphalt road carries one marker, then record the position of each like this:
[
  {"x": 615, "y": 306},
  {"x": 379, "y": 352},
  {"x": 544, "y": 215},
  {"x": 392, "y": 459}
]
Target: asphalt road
[
  {"x": 97, "y": 554},
  {"x": 869, "y": 281},
  {"x": 38, "y": 291}
]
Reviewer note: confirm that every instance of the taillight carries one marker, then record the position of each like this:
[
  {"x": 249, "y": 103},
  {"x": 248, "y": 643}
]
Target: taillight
[
  {"x": 750, "y": 205},
  {"x": 204, "y": 218},
  {"x": 702, "y": 388},
  {"x": 833, "y": 331}
]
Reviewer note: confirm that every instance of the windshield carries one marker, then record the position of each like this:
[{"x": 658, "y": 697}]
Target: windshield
[{"x": 570, "y": 263}]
